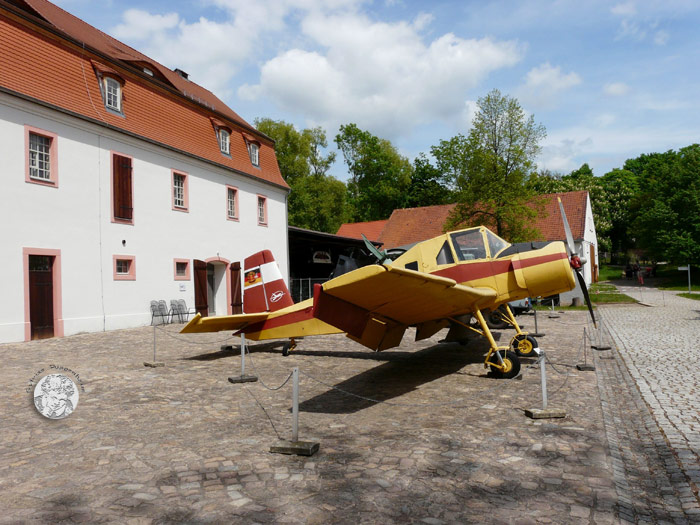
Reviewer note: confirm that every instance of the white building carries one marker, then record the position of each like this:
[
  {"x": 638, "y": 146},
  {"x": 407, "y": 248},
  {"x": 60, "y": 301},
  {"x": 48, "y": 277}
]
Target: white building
[{"x": 122, "y": 182}]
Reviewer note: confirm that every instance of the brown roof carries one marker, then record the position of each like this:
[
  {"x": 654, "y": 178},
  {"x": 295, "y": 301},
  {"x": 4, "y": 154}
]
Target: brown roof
[
  {"x": 410, "y": 225},
  {"x": 355, "y": 230},
  {"x": 52, "y": 57}
]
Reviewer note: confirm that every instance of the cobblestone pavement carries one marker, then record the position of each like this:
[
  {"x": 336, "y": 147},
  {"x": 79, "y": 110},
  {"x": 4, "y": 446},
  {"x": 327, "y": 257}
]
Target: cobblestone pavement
[
  {"x": 445, "y": 444},
  {"x": 659, "y": 345}
]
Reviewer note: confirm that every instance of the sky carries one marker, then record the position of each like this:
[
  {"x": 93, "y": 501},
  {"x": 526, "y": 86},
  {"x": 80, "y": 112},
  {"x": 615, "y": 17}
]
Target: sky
[{"x": 609, "y": 80}]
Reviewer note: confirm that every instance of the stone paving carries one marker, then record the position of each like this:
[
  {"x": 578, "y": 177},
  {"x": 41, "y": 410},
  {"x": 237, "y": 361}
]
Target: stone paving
[
  {"x": 446, "y": 443},
  {"x": 659, "y": 346}
]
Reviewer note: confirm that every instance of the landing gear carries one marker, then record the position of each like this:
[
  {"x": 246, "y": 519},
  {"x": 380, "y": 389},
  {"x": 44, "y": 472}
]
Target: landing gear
[
  {"x": 509, "y": 364},
  {"x": 497, "y": 319},
  {"x": 289, "y": 347},
  {"x": 524, "y": 345},
  {"x": 503, "y": 362}
]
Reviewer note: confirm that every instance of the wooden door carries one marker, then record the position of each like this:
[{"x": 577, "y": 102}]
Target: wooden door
[
  {"x": 594, "y": 266},
  {"x": 200, "y": 288},
  {"x": 236, "y": 296},
  {"x": 41, "y": 296}
]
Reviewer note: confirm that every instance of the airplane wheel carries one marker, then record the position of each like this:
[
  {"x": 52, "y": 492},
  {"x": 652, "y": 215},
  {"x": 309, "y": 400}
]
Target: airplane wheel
[
  {"x": 494, "y": 319},
  {"x": 285, "y": 349},
  {"x": 511, "y": 362},
  {"x": 524, "y": 345}
]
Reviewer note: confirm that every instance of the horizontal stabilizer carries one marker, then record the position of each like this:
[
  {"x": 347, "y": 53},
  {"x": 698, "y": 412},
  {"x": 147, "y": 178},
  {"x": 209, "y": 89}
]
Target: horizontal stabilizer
[{"x": 200, "y": 324}]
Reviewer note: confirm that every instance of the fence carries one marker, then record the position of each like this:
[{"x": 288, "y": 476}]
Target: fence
[{"x": 302, "y": 289}]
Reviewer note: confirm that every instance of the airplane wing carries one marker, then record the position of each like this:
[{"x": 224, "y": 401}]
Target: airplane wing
[
  {"x": 375, "y": 304},
  {"x": 199, "y": 324}
]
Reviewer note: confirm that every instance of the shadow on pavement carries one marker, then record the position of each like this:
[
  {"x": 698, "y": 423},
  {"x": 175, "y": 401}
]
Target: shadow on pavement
[{"x": 401, "y": 375}]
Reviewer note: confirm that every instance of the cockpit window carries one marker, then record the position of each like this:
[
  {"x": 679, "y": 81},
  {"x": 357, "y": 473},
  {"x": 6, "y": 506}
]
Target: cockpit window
[
  {"x": 445, "y": 254},
  {"x": 469, "y": 245},
  {"x": 496, "y": 244}
]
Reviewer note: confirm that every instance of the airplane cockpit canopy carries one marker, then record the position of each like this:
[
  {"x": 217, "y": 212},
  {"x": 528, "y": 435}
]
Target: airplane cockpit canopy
[{"x": 471, "y": 244}]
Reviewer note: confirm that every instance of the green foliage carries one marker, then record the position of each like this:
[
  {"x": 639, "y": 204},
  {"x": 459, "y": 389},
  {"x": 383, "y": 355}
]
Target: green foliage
[
  {"x": 666, "y": 207},
  {"x": 428, "y": 185},
  {"x": 317, "y": 200},
  {"x": 490, "y": 167},
  {"x": 379, "y": 175}
]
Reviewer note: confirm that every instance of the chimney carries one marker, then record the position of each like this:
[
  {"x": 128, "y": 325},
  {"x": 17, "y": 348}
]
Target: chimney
[{"x": 182, "y": 73}]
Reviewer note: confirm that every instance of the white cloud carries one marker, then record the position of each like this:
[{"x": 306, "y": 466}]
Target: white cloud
[
  {"x": 616, "y": 89},
  {"x": 543, "y": 83},
  {"x": 382, "y": 76},
  {"x": 661, "y": 38},
  {"x": 624, "y": 9}
]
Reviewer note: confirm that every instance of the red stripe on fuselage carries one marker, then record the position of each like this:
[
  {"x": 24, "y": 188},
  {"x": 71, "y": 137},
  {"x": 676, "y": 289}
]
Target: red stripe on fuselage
[
  {"x": 472, "y": 271},
  {"x": 282, "y": 320}
]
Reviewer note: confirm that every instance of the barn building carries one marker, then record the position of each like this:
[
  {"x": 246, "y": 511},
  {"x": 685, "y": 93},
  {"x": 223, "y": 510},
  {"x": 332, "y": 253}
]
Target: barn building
[{"x": 123, "y": 182}]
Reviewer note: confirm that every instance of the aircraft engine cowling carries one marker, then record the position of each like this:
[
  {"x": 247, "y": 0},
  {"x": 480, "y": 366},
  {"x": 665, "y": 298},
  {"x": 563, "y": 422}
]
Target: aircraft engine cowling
[{"x": 545, "y": 271}]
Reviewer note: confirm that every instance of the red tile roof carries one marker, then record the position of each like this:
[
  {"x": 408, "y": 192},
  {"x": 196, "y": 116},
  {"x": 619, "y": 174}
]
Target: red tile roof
[
  {"x": 354, "y": 230},
  {"x": 411, "y": 225},
  {"x": 49, "y": 55}
]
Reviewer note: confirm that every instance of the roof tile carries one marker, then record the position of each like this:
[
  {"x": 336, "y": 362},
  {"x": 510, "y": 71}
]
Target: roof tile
[
  {"x": 48, "y": 68},
  {"x": 410, "y": 225}
]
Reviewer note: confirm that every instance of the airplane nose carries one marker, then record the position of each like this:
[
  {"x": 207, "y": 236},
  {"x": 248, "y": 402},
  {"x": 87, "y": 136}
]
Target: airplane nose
[{"x": 547, "y": 271}]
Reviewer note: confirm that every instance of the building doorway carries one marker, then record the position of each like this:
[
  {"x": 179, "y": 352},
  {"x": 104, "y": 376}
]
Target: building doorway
[{"x": 41, "y": 296}]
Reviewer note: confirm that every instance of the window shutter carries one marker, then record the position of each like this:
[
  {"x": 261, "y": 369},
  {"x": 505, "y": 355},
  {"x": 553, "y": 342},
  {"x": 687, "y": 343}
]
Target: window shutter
[{"x": 123, "y": 208}]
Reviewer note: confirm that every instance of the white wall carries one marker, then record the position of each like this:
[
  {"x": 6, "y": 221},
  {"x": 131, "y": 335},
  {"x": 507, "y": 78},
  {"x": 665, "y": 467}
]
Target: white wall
[{"x": 76, "y": 219}]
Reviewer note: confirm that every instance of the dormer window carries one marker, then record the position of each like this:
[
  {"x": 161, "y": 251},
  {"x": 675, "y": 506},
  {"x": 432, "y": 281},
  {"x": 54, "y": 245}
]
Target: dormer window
[
  {"x": 113, "y": 94},
  {"x": 225, "y": 141},
  {"x": 254, "y": 151}
]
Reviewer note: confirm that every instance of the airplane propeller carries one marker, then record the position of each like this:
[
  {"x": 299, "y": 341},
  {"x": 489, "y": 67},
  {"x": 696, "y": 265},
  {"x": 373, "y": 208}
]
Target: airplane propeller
[
  {"x": 379, "y": 254},
  {"x": 576, "y": 261}
]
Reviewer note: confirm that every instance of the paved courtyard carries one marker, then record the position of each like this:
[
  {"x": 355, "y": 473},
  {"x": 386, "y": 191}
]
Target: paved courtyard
[{"x": 427, "y": 437}]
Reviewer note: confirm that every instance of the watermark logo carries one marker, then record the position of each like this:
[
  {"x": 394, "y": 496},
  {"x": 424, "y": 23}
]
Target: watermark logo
[{"x": 56, "y": 396}]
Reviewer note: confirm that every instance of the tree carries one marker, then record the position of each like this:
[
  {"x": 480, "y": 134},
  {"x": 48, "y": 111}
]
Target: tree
[
  {"x": 428, "y": 186},
  {"x": 379, "y": 175},
  {"x": 667, "y": 222},
  {"x": 316, "y": 200},
  {"x": 490, "y": 167}
]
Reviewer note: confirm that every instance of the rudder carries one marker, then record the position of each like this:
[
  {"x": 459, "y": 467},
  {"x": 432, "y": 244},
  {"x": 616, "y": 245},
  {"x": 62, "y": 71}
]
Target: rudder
[{"x": 264, "y": 289}]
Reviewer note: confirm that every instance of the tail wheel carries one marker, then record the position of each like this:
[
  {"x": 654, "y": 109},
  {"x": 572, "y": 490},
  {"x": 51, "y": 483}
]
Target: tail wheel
[
  {"x": 287, "y": 347},
  {"x": 511, "y": 364},
  {"x": 524, "y": 345}
]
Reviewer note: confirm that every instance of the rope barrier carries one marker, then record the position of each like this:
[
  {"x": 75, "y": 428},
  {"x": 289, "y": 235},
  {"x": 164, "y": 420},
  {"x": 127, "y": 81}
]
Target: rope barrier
[{"x": 265, "y": 411}]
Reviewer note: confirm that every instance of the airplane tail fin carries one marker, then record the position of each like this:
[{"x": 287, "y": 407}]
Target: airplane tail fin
[{"x": 264, "y": 289}]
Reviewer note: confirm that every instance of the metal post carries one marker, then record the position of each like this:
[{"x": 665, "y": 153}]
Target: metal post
[
  {"x": 601, "y": 345},
  {"x": 544, "y": 412},
  {"x": 242, "y": 355},
  {"x": 154, "y": 363},
  {"x": 295, "y": 405},
  {"x": 585, "y": 365},
  {"x": 537, "y": 331},
  {"x": 543, "y": 376},
  {"x": 689, "y": 289},
  {"x": 244, "y": 378}
]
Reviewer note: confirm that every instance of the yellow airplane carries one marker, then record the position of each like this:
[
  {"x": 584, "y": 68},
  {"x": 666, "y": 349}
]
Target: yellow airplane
[{"x": 436, "y": 284}]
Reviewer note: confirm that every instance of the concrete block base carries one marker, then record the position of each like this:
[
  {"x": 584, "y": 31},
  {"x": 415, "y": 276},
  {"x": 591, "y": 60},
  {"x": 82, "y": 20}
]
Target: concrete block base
[
  {"x": 547, "y": 413},
  {"x": 299, "y": 448},
  {"x": 243, "y": 379},
  {"x": 153, "y": 364},
  {"x": 600, "y": 348},
  {"x": 585, "y": 367}
]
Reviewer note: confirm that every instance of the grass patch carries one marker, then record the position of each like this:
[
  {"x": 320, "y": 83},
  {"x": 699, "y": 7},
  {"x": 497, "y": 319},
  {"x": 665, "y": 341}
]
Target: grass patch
[
  {"x": 606, "y": 293},
  {"x": 673, "y": 279},
  {"x": 610, "y": 272},
  {"x": 695, "y": 296}
]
